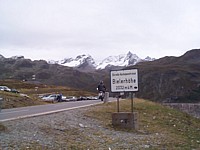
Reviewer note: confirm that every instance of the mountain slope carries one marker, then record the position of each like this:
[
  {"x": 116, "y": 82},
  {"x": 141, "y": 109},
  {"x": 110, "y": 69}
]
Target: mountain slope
[
  {"x": 171, "y": 79},
  {"x": 53, "y": 74}
]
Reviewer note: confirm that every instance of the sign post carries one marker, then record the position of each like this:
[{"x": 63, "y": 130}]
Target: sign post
[
  {"x": 125, "y": 81},
  {"x": 117, "y": 103},
  {"x": 132, "y": 96}
]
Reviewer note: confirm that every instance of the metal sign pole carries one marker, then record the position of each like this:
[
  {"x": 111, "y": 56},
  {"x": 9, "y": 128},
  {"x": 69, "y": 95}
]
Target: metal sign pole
[
  {"x": 132, "y": 101},
  {"x": 117, "y": 103},
  {"x": 132, "y": 96}
]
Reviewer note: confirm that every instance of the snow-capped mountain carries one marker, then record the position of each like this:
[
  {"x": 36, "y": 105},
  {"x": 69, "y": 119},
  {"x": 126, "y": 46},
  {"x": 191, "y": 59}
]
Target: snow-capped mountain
[
  {"x": 120, "y": 60},
  {"x": 79, "y": 60},
  {"x": 87, "y": 63},
  {"x": 1, "y": 56},
  {"x": 17, "y": 57},
  {"x": 13, "y": 57},
  {"x": 149, "y": 59},
  {"x": 82, "y": 62}
]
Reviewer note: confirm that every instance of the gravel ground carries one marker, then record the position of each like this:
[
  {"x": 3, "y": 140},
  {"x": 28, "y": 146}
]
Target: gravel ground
[{"x": 71, "y": 130}]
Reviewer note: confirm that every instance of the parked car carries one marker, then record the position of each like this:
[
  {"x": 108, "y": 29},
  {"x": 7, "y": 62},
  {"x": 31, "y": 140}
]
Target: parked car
[
  {"x": 92, "y": 98},
  {"x": 43, "y": 95},
  {"x": 50, "y": 98},
  {"x": 5, "y": 88},
  {"x": 69, "y": 98},
  {"x": 81, "y": 98},
  {"x": 14, "y": 91}
]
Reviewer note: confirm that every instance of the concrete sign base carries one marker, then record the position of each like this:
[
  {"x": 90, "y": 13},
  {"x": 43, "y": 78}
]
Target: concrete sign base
[{"x": 125, "y": 120}]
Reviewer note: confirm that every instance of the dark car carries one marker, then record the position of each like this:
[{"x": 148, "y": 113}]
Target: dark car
[{"x": 14, "y": 91}]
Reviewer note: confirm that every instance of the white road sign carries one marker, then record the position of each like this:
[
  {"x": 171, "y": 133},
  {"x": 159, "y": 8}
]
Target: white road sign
[{"x": 124, "y": 80}]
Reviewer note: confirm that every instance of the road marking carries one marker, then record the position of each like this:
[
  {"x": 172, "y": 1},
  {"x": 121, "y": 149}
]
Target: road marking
[{"x": 14, "y": 111}]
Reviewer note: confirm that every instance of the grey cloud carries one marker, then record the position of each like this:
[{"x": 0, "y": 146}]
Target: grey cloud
[{"x": 154, "y": 28}]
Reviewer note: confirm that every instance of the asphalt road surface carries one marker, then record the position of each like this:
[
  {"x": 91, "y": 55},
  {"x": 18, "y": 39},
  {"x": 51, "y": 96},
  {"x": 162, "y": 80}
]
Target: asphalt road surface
[{"x": 24, "y": 112}]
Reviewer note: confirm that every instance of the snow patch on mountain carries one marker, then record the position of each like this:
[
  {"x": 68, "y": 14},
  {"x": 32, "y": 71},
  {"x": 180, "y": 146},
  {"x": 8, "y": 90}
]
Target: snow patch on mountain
[
  {"x": 120, "y": 60},
  {"x": 86, "y": 62},
  {"x": 78, "y": 61},
  {"x": 149, "y": 59},
  {"x": 52, "y": 62}
]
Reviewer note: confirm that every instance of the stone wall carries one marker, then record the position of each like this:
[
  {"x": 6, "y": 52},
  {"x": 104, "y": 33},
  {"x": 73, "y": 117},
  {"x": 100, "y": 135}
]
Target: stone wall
[{"x": 190, "y": 108}]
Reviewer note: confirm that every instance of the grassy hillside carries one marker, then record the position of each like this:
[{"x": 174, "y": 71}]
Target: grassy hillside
[
  {"x": 13, "y": 100},
  {"x": 175, "y": 129}
]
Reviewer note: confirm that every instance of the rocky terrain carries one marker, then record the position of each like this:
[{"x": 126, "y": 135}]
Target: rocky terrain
[
  {"x": 70, "y": 130},
  {"x": 91, "y": 128}
]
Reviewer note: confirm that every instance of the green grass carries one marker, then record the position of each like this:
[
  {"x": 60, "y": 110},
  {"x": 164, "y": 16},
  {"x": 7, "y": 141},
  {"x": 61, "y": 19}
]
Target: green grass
[
  {"x": 13, "y": 100},
  {"x": 178, "y": 129}
]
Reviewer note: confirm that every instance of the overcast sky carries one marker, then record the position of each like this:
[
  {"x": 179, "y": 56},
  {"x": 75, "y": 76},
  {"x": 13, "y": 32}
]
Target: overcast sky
[{"x": 57, "y": 29}]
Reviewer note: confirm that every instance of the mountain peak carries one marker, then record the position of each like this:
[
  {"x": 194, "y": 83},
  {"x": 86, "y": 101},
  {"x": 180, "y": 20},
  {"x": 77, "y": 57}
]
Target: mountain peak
[
  {"x": 149, "y": 59},
  {"x": 85, "y": 62},
  {"x": 129, "y": 53},
  {"x": 82, "y": 56},
  {"x": 191, "y": 56},
  {"x": 120, "y": 60},
  {"x": 1, "y": 56},
  {"x": 17, "y": 57}
]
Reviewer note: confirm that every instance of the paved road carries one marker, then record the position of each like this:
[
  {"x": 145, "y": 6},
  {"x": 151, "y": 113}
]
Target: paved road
[{"x": 24, "y": 112}]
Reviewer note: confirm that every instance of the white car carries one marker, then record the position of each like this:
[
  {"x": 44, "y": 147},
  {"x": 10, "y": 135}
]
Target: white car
[
  {"x": 5, "y": 88},
  {"x": 51, "y": 98},
  {"x": 92, "y": 98},
  {"x": 69, "y": 98}
]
